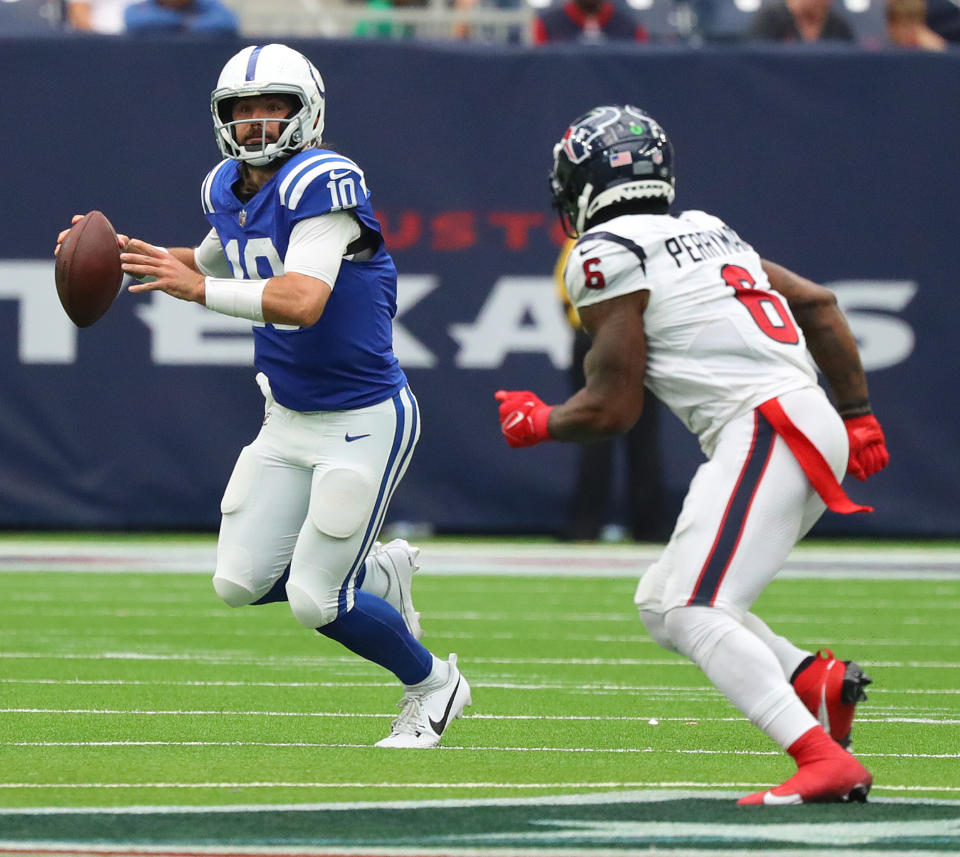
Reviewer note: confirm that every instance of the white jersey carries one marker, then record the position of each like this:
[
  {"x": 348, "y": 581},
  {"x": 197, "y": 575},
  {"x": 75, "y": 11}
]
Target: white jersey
[{"x": 720, "y": 340}]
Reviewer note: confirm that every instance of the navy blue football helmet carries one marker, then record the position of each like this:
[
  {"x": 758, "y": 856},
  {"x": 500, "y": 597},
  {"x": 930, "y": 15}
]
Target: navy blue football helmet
[{"x": 612, "y": 154}]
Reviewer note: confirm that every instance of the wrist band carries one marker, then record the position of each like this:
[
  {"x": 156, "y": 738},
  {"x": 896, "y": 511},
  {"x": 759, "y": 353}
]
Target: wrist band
[
  {"x": 854, "y": 408},
  {"x": 540, "y": 419},
  {"x": 239, "y": 298}
]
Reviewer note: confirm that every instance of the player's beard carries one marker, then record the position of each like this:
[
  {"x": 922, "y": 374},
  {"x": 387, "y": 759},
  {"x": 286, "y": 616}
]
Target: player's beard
[{"x": 257, "y": 142}]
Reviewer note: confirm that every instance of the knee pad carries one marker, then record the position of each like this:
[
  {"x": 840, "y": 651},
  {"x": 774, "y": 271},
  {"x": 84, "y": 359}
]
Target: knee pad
[
  {"x": 233, "y": 580},
  {"x": 649, "y": 601},
  {"x": 650, "y": 589},
  {"x": 309, "y": 611},
  {"x": 656, "y": 627},
  {"x": 697, "y": 631},
  {"x": 340, "y": 501},
  {"x": 233, "y": 594}
]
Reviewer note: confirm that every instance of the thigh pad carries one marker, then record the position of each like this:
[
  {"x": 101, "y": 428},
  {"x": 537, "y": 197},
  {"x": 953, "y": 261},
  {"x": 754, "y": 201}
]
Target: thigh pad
[
  {"x": 240, "y": 482},
  {"x": 341, "y": 500}
]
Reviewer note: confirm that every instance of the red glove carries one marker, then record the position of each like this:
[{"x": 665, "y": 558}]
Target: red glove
[
  {"x": 523, "y": 417},
  {"x": 868, "y": 447}
]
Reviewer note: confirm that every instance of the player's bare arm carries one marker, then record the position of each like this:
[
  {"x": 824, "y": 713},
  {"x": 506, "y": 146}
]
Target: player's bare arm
[
  {"x": 612, "y": 399},
  {"x": 287, "y": 299},
  {"x": 294, "y": 298},
  {"x": 834, "y": 349},
  {"x": 829, "y": 338}
]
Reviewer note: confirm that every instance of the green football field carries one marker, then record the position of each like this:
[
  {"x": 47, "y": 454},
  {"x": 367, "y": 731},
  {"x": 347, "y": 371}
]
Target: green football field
[{"x": 127, "y": 688}]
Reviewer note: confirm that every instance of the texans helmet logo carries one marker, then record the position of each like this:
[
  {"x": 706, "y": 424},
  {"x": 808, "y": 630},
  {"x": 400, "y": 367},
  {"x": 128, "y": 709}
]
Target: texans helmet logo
[{"x": 579, "y": 140}]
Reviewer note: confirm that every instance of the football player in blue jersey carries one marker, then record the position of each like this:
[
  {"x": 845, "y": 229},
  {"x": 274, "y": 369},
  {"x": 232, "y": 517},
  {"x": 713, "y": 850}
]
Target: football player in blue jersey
[{"x": 294, "y": 246}]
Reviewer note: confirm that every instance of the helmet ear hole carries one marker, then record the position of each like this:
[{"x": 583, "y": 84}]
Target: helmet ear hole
[{"x": 294, "y": 105}]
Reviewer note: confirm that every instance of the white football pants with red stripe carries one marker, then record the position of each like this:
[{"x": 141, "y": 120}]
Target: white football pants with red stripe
[{"x": 745, "y": 510}]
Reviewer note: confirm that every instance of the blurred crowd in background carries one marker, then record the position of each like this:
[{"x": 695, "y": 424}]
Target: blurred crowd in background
[{"x": 869, "y": 24}]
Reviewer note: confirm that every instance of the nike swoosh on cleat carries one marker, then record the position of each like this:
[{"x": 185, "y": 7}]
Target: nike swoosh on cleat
[
  {"x": 439, "y": 725},
  {"x": 823, "y": 713},
  {"x": 349, "y": 439},
  {"x": 770, "y": 799}
]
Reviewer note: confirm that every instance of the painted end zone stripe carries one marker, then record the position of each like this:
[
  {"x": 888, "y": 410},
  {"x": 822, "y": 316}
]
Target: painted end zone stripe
[
  {"x": 148, "y": 851},
  {"x": 649, "y": 793}
]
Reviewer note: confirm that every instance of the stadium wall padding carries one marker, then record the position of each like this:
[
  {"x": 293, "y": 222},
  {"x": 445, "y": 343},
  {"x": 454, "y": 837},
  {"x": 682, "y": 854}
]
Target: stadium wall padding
[{"x": 837, "y": 163}]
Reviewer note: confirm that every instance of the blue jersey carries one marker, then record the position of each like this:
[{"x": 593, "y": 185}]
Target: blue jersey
[{"x": 346, "y": 359}]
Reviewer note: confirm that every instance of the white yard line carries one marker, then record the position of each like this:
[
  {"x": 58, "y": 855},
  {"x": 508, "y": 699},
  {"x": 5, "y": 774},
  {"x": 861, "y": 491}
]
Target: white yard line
[
  {"x": 348, "y": 715},
  {"x": 244, "y": 659},
  {"x": 500, "y": 685},
  {"x": 646, "y": 751},
  {"x": 886, "y": 561},
  {"x": 560, "y": 784}
]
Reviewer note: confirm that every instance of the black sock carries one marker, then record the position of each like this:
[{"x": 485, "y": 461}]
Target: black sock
[{"x": 809, "y": 659}]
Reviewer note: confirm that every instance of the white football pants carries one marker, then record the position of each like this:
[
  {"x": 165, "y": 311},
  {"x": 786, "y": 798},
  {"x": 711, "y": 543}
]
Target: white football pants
[
  {"x": 745, "y": 510},
  {"x": 312, "y": 490}
]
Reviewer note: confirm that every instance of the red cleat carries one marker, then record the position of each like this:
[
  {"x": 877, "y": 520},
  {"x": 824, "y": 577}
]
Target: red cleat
[
  {"x": 831, "y": 689},
  {"x": 836, "y": 780}
]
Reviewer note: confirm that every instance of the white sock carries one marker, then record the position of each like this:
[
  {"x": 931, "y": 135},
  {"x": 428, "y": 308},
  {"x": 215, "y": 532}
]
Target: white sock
[
  {"x": 375, "y": 579},
  {"x": 439, "y": 673},
  {"x": 743, "y": 669},
  {"x": 787, "y": 653}
]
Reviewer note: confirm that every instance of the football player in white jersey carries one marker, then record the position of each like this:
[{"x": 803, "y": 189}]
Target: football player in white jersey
[
  {"x": 295, "y": 248},
  {"x": 680, "y": 303}
]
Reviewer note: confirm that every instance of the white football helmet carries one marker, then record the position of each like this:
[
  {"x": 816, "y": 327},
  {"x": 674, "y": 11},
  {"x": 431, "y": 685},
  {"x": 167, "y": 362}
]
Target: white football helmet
[{"x": 262, "y": 70}]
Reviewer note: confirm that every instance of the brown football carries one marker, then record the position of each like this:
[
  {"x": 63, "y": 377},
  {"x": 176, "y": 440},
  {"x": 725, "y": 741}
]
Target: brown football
[{"x": 88, "y": 271}]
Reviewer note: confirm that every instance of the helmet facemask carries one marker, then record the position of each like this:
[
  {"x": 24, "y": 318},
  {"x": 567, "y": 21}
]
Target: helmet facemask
[
  {"x": 294, "y": 129},
  {"x": 271, "y": 69},
  {"x": 565, "y": 197}
]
